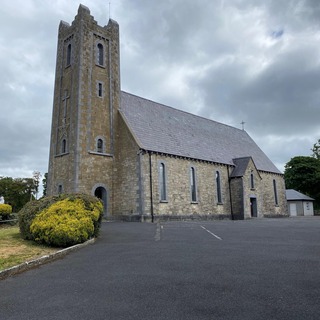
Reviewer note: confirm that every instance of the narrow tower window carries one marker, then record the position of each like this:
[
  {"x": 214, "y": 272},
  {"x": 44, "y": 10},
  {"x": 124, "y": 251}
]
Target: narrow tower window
[
  {"x": 100, "y": 145},
  {"x": 100, "y": 89},
  {"x": 162, "y": 182},
  {"x": 275, "y": 192},
  {"x": 64, "y": 146},
  {"x": 193, "y": 185},
  {"x": 69, "y": 54},
  {"x": 100, "y": 54},
  {"x": 218, "y": 184}
]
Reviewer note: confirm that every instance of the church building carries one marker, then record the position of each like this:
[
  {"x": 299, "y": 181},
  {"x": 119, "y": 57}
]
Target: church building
[{"x": 145, "y": 160}]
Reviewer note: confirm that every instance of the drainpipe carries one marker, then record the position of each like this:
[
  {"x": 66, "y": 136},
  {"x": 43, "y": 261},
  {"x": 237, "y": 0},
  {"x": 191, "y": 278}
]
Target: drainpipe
[
  {"x": 151, "y": 191},
  {"x": 140, "y": 184},
  {"x": 243, "y": 199},
  {"x": 230, "y": 195}
]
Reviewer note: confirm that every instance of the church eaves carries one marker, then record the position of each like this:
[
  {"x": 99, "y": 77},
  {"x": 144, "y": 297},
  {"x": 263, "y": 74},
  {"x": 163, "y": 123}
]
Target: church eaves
[{"x": 163, "y": 129}]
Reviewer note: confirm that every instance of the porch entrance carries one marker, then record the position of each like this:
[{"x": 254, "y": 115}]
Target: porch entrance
[
  {"x": 101, "y": 193},
  {"x": 253, "y": 207}
]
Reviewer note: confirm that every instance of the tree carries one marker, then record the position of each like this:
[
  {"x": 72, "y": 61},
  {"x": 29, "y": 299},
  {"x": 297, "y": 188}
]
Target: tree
[
  {"x": 302, "y": 173},
  {"x": 36, "y": 179},
  {"x": 316, "y": 150},
  {"x": 17, "y": 192},
  {"x": 44, "y": 183}
]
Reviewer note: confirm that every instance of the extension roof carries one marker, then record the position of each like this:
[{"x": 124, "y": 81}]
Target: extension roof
[
  {"x": 292, "y": 194},
  {"x": 241, "y": 165},
  {"x": 163, "y": 129}
]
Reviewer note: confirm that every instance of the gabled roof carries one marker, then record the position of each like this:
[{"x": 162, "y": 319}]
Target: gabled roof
[
  {"x": 292, "y": 194},
  {"x": 241, "y": 165},
  {"x": 163, "y": 129}
]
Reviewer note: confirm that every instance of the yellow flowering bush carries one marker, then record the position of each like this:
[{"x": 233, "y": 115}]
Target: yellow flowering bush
[
  {"x": 30, "y": 210},
  {"x": 5, "y": 211},
  {"x": 67, "y": 222}
]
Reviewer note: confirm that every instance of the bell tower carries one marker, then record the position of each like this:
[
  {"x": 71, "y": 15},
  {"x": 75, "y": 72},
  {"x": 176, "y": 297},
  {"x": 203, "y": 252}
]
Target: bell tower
[{"x": 85, "y": 108}]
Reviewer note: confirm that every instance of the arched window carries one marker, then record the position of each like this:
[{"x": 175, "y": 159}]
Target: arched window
[
  {"x": 69, "y": 54},
  {"x": 193, "y": 185},
  {"x": 218, "y": 185},
  {"x": 60, "y": 188},
  {"x": 64, "y": 146},
  {"x": 100, "y": 54},
  {"x": 162, "y": 182},
  {"x": 100, "y": 145},
  {"x": 275, "y": 192}
]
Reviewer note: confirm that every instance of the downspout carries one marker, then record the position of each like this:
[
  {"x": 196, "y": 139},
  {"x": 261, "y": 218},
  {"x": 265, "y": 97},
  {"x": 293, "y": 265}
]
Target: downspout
[
  {"x": 140, "y": 184},
  {"x": 242, "y": 196},
  {"x": 151, "y": 191},
  {"x": 230, "y": 195}
]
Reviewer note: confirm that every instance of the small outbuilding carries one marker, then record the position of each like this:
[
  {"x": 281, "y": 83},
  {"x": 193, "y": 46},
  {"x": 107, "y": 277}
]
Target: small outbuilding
[{"x": 299, "y": 204}]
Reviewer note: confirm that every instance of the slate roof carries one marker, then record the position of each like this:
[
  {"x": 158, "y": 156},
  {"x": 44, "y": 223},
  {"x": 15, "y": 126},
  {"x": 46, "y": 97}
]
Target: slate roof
[
  {"x": 292, "y": 194},
  {"x": 241, "y": 165},
  {"x": 163, "y": 129}
]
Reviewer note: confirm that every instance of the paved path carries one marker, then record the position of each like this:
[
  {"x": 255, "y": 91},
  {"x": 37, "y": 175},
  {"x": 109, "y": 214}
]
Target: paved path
[{"x": 257, "y": 269}]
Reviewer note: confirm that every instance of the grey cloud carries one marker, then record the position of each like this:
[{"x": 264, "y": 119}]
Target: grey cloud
[{"x": 200, "y": 56}]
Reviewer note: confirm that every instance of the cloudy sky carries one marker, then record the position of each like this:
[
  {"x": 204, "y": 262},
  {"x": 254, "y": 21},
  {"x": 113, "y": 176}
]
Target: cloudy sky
[{"x": 228, "y": 60}]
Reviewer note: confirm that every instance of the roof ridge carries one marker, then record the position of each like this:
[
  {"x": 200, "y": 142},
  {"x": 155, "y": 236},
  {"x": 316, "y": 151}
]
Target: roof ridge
[
  {"x": 183, "y": 111},
  {"x": 173, "y": 131},
  {"x": 240, "y": 158}
]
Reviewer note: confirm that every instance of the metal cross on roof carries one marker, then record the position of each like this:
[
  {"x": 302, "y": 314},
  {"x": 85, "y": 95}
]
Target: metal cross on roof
[{"x": 242, "y": 123}]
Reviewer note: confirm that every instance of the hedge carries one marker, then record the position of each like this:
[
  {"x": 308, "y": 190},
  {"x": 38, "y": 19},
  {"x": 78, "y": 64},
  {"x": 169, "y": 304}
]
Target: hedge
[
  {"x": 61, "y": 220},
  {"x": 5, "y": 211}
]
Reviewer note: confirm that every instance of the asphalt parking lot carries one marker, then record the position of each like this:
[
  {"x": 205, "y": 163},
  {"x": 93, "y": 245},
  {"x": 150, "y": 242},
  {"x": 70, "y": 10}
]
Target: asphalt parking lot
[{"x": 255, "y": 269}]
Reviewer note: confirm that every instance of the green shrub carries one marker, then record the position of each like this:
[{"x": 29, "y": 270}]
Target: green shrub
[
  {"x": 27, "y": 214},
  {"x": 93, "y": 204},
  {"x": 90, "y": 207},
  {"x": 5, "y": 211}
]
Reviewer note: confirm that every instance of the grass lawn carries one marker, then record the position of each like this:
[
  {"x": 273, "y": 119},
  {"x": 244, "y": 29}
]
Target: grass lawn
[{"x": 14, "y": 250}]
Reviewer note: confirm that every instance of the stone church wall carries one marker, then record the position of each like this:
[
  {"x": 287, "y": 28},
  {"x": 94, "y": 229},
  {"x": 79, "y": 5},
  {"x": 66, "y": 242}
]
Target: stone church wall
[
  {"x": 135, "y": 201},
  {"x": 252, "y": 189},
  {"x": 236, "y": 189},
  {"x": 270, "y": 208},
  {"x": 127, "y": 190},
  {"x": 178, "y": 203},
  {"x": 262, "y": 192}
]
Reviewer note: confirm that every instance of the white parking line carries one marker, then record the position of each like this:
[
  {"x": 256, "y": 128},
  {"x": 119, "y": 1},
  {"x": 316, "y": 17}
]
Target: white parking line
[
  {"x": 211, "y": 233},
  {"x": 157, "y": 236}
]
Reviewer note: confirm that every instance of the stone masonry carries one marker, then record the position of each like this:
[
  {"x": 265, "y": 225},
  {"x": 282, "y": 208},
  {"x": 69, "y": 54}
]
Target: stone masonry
[{"x": 95, "y": 149}]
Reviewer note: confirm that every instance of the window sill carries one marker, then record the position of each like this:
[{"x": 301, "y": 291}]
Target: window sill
[
  {"x": 194, "y": 202},
  {"x": 219, "y": 203},
  {"x": 100, "y": 65},
  {"x": 163, "y": 201},
  {"x": 61, "y": 154},
  {"x": 101, "y": 154}
]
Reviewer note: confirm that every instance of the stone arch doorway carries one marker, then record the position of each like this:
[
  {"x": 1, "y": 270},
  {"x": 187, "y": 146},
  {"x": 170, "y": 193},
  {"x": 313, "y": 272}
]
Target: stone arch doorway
[{"x": 101, "y": 193}]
